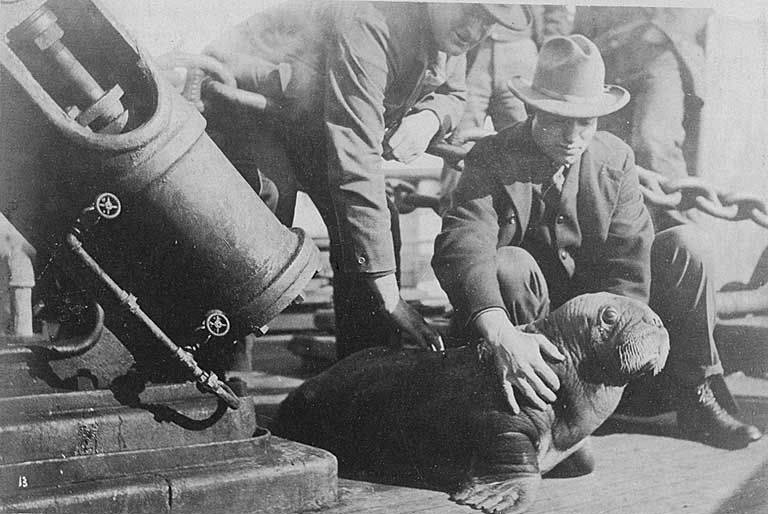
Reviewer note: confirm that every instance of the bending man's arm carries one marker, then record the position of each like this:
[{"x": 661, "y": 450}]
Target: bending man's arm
[
  {"x": 354, "y": 120},
  {"x": 357, "y": 75}
]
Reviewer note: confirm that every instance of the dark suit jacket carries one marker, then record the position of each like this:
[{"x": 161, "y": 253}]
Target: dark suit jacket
[{"x": 603, "y": 237}]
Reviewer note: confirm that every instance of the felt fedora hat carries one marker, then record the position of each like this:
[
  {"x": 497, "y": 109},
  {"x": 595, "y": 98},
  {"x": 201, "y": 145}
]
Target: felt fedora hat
[
  {"x": 512, "y": 16},
  {"x": 570, "y": 81}
]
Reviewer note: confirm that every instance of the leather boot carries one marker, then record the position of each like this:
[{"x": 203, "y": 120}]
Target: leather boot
[{"x": 704, "y": 416}]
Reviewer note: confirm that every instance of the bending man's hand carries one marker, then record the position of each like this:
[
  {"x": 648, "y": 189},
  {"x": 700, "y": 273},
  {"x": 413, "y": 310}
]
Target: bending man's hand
[
  {"x": 412, "y": 137},
  {"x": 519, "y": 360},
  {"x": 462, "y": 136},
  {"x": 403, "y": 316}
]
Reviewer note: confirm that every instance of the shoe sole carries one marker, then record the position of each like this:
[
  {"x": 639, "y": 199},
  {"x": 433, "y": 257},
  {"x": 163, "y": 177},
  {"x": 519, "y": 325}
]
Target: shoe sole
[{"x": 664, "y": 418}]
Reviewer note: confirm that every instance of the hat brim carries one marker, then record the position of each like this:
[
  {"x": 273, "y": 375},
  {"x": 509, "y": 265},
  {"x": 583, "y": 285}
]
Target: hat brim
[{"x": 611, "y": 100}]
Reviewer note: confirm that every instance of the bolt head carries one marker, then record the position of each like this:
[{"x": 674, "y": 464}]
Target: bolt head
[{"x": 48, "y": 37}]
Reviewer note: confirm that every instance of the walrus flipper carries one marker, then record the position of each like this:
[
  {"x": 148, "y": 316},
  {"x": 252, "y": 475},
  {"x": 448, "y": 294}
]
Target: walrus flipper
[{"x": 504, "y": 476}]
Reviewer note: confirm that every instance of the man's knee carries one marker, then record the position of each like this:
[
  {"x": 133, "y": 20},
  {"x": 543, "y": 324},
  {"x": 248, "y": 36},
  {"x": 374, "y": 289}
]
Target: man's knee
[
  {"x": 518, "y": 271},
  {"x": 522, "y": 284},
  {"x": 681, "y": 257},
  {"x": 682, "y": 242}
]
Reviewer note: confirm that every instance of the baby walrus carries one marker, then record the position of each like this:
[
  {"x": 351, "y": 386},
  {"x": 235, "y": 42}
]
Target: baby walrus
[{"x": 409, "y": 416}]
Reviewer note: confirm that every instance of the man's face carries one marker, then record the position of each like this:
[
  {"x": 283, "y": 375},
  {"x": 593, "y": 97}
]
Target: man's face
[
  {"x": 562, "y": 139},
  {"x": 458, "y": 27}
]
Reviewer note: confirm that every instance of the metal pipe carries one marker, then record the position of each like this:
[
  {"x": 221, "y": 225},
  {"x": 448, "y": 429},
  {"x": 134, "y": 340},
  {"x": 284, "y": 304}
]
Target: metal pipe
[
  {"x": 21, "y": 280},
  {"x": 25, "y": 347},
  {"x": 17, "y": 254},
  {"x": 207, "y": 381}
]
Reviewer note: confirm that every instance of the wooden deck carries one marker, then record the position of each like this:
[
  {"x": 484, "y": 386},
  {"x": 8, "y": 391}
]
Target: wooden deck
[{"x": 637, "y": 473}]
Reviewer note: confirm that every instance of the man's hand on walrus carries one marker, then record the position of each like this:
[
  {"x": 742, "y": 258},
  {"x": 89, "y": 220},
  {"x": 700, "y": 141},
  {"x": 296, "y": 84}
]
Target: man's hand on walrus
[
  {"x": 519, "y": 360},
  {"x": 411, "y": 323},
  {"x": 405, "y": 318}
]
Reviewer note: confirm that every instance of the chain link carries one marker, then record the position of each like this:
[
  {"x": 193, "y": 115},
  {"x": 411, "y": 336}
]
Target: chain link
[
  {"x": 694, "y": 192},
  {"x": 678, "y": 194}
]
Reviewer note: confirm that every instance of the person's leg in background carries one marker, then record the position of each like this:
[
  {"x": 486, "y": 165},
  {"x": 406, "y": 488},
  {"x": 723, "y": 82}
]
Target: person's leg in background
[
  {"x": 489, "y": 67},
  {"x": 510, "y": 58},
  {"x": 479, "y": 91},
  {"x": 682, "y": 295},
  {"x": 259, "y": 152},
  {"x": 653, "y": 121}
]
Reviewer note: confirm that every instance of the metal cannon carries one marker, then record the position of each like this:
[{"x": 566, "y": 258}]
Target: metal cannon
[
  {"x": 153, "y": 256},
  {"x": 192, "y": 235}
]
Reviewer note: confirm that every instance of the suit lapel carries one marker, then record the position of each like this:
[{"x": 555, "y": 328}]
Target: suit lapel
[
  {"x": 597, "y": 195},
  {"x": 520, "y": 195},
  {"x": 516, "y": 173}
]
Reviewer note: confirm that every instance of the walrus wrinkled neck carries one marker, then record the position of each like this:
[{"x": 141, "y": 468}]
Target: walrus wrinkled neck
[
  {"x": 566, "y": 330},
  {"x": 584, "y": 400}
]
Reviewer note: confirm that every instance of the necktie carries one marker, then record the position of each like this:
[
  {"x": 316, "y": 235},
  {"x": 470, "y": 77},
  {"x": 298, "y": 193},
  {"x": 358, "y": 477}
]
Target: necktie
[
  {"x": 559, "y": 178},
  {"x": 556, "y": 181}
]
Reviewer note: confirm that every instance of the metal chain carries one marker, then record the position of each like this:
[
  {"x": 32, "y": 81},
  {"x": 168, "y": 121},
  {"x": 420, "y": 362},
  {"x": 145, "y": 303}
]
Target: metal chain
[
  {"x": 672, "y": 194},
  {"x": 694, "y": 192}
]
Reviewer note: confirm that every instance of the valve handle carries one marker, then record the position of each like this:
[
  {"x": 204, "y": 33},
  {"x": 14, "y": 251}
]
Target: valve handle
[
  {"x": 108, "y": 206},
  {"x": 216, "y": 323}
]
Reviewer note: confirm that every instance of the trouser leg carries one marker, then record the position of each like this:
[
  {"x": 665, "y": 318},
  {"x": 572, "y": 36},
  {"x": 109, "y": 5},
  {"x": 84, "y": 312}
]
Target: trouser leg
[
  {"x": 479, "y": 91},
  {"x": 682, "y": 295},
  {"x": 510, "y": 58},
  {"x": 479, "y": 88},
  {"x": 654, "y": 121},
  {"x": 523, "y": 286}
]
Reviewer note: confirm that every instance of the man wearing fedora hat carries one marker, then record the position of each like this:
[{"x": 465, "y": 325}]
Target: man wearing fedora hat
[
  {"x": 358, "y": 82},
  {"x": 551, "y": 208}
]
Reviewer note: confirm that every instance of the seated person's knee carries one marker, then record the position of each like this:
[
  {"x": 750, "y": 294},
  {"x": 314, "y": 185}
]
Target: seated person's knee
[
  {"x": 688, "y": 239},
  {"x": 515, "y": 267}
]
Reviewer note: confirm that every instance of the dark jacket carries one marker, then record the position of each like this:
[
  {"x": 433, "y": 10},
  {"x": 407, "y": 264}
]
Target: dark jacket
[{"x": 603, "y": 239}]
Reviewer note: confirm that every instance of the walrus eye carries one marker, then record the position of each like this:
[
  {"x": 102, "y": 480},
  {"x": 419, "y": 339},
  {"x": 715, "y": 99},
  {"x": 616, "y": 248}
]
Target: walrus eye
[{"x": 609, "y": 316}]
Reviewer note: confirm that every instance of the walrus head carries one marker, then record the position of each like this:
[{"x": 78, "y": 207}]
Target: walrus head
[{"x": 614, "y": 338}]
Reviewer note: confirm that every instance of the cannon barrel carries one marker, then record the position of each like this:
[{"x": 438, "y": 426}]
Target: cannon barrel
[{"x": 193, "y": 234}]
